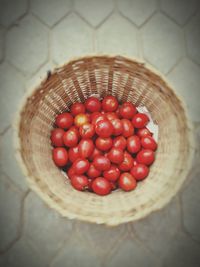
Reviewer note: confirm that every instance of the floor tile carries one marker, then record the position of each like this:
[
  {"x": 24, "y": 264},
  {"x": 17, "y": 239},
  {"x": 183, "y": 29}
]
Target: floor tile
[
  {"x": 50, "y": 11},
  {"x": 27, "y": 45},
  {"x": 163, "y": 42},
  {"x": 138, "y": 11},
  {"x": 185, "y": 78},
  {"x": 117, "y": 40},
  {"x": 94, "y": 11}
]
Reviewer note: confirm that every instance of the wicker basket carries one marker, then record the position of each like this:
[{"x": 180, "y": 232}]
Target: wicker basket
[{"x": 127, "y": 80}]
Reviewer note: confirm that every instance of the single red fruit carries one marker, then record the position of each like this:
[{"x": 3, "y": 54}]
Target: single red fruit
[
  {"x": 135, "y": 162},
  {"x": 93, "y": 104},
  {"x": 81, "y": 119},
  {"x": 119, "y": 142},
  {"x": 93, "y": 172},
  {"x": 111, "y": 116},
  {"x": 104, "y": 128},
  {"x": 77, "y": 108},
  {"x": 75, "y": 129},
  {"x": 113, "y": 185},
  {"x": 90, "y": 181},
  {"x": 127, "y": 163},
  {"x": 85, "y": 148},
  {"x": 117, "y": 126},
  {"x": 101, "y": 163},
  {"x": 103, "y": 144},
  {"x": 148, "y": 142},
  {"x": 70, "y": 172},
  {"x": 101, "y": 186},
  {"x": 112, "y": 174},
  {"x": 140, "y": 120},
  {"x": 87, "y": 130},
  {"x": 70, "y": 138},
  {"x": 142, "y": 132},
  {"x": 140, "y": 171},
  {"x": 116, "y": 155},
  {"x": 118, "y": 113},
  {"x": 109, "y": 103},
  {"x": 127, "y": 110},
  {"x": 127, "y": 182},
  {"x": 96, "y": 152},
  {"x": 64, "y": 120},
  {"x": 79, "y": 182},
  {"x": 60, "y": 156},
  {"x": 145, "y": 156},
  {"x": 128, "y": 129},
  {"x": 80, "y": 166},
  {"x": 73, "y": 153},
  {"x": 57, "y": 137},
  {"x": 133, "y": 144},
  {"x": 96, "y": 117}
]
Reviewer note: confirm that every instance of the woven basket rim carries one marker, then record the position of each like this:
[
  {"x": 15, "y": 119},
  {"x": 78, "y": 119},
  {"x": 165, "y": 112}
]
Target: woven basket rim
[{"x": 47, "y": 199}]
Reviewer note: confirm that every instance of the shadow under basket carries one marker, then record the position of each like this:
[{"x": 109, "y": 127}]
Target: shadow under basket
[{"x": 128, "y": 80}]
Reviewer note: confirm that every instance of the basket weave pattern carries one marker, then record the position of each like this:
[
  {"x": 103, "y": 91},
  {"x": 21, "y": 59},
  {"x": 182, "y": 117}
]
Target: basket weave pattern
[{"x": 128, "y": 80}]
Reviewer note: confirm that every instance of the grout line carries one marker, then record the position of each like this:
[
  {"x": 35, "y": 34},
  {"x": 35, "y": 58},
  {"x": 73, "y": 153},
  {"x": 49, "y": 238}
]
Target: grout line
[
  {"x": 75, "y": 12},
  {"x": 5, "y": 130},
  {"x": 175, "y": 65}
]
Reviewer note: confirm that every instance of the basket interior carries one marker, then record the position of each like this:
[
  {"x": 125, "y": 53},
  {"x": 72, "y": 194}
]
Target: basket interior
[{"x": 128, "y": 81}]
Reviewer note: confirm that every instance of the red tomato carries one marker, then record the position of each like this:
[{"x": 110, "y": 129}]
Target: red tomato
[
  {"x": 128, "y": 129},
  {"x": 81, "y": 119},
  {"x": 111, "y": 116},
  {"x": 104, "y": 128},
  {"x": 133, "y": 144},
  {"x": 64, "y": 120},
  {"x": 142, "y": 132},
  {"x": 96, "y": 152},
  {"x": 148, "y": 142},
  {"x": 118, "y": 113},
  {"x": 112, "y": 174},
  {"x": 80, "y": 166},
  {"x": 85, "y": 148},
  {"x": 101, "y": 163},
  {"x": 109, "y": 103},
  {"x": 73, "y": 153},
  {"x": 79, "y": 182},
  {"x": 127, "y": 110},
  {"x": 127, "y": 163},
  {"x": 70, "y": 172},
  {"x": 77, "y": 108},
  {"x": 87, "y": 130},
  {"x": 140, "y": 171},
  {"x": 117, "y": 126},
  {"x": 119, "y": 142},
  {"x": 93, "y": 172},
  {"x": 103, "y": 144},
  {"x": 90, "y": 185},
  {"x": 140, "y": 120},
  {"x": 145, "y": 156},
  {"x": 127, "y": 182},
  {"x": 116, "y": 155},
  {"x": 135, "y": 162},
  {"x": 97, "y": 117},
  {"x": 101, "y": 186},
  {"x": 57, "y": 137},
  {"x": 93, "y": 104},
  {"x": 60, "y": 156},
  {"x": 70, "y": 138},
  {"x": 75, "y": 129},
  {"x": 113, "y": 185}
]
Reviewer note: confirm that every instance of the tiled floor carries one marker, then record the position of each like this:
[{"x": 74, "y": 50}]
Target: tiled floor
[{"x": 36, "y": 36}]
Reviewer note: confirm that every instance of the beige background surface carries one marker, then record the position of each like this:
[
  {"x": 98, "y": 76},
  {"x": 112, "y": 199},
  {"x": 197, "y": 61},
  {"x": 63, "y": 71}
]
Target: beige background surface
[{"x": 36, "y": 36}]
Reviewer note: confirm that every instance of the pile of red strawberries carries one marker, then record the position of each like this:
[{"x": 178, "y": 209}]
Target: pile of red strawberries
[{"x": 103, "y": 145}]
